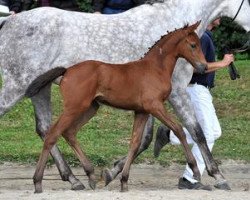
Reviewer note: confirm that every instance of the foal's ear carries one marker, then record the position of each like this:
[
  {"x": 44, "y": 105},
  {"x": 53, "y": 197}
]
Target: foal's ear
[{"x": 193, "y": 27}]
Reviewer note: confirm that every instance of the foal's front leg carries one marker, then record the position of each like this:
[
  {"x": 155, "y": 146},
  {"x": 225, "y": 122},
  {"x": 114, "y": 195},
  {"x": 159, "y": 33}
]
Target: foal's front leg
[
  {"x": 109, "y": 175},
  {"x": 140, "y": 120},
  {"x": 160, "y": 113}
]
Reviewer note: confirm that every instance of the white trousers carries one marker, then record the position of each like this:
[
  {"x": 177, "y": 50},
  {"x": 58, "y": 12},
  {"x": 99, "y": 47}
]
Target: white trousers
[
  {"x": 4, "y": 9},
  {"x": 205, "y": 113}
]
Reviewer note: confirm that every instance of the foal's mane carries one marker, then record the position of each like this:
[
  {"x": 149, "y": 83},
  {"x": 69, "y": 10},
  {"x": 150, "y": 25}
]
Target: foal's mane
[{"x": 164, "y": 38}]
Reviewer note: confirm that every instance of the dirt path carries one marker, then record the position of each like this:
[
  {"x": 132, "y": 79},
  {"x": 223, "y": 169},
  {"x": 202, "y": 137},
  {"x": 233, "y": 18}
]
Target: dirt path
[{"x": 147, "y": 182}]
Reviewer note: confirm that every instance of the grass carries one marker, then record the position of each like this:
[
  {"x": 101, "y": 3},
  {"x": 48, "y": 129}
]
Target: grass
[
  {"x": 232, "y": 100},
  {"x": 106, "y": 137}
]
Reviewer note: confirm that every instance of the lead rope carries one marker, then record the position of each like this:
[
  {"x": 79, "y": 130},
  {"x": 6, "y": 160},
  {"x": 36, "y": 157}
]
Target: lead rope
[{"x": 238, "y": 10}]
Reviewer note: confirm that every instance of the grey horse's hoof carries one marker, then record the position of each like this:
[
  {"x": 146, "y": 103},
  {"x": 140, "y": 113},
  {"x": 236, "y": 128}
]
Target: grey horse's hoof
[
  {"x": 77, "y": 186},
  {"x": 162, "y": 138},
  {"x": 222, "y": 186},
  {"x": 106, "y": 176},
  {"x": 92, "y": 184}
]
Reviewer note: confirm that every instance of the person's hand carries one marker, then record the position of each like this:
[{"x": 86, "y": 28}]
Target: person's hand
[{"x": 227, "y": 59}]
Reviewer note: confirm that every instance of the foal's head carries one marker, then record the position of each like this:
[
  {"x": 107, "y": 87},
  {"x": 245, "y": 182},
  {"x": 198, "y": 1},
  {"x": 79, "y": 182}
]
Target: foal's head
[
  {"x": 189, "y": 47},
  {"x": 185, "y": 43}
]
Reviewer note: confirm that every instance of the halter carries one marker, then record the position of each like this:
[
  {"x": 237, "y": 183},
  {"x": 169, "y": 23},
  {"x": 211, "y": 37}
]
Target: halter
[{"x": 238, "y": 10}]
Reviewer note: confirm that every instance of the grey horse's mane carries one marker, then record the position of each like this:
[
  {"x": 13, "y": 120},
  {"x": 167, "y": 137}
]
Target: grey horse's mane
[
  {"x": 162, "y": 1},
  {"x": 167, "y": 35}
]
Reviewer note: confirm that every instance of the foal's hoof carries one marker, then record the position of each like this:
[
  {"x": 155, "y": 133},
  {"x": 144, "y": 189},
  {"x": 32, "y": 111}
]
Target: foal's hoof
[
  {"x": 38, "y": 189},
  {"x": 222, "y": 186},
  {"x": 77, "y": 186},
  {"x": 124, "y": 188},
  {"x": 106, "y": 176},
  {"x": 92, "y": 184}
]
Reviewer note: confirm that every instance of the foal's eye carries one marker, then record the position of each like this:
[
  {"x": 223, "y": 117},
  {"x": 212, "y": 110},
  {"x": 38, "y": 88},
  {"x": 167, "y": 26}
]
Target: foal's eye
[{"x": 193, "y": 46}]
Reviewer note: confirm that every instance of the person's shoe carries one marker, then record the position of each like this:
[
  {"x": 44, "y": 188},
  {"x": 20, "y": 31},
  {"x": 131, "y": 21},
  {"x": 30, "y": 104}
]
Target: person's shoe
[
  {"x": 185, "y": 184},
  {"x": 162, "y": 138}
]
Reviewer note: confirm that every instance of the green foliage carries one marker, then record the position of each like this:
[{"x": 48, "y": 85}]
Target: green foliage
[
  {"x": 231, "y": 35},
  {"x": 232, "y": 103},
  {"x": 85, "y": 5}
]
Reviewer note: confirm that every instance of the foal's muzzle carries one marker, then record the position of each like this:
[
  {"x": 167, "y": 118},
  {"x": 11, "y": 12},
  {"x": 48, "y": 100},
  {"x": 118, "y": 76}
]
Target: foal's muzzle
[{"x": 201, "y": 68}]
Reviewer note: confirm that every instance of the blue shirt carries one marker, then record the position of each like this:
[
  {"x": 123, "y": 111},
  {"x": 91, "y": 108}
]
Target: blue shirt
[
  {"x": 114, "y": 6},
  {"x": 208, "y": 49}
]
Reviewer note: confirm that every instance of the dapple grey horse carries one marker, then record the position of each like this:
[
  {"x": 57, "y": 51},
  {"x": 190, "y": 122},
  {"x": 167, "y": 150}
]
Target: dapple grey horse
[{"x": 33, "y": 42}]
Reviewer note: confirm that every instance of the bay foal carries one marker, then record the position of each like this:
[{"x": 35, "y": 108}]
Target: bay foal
[{"x": 141, "y": 86}]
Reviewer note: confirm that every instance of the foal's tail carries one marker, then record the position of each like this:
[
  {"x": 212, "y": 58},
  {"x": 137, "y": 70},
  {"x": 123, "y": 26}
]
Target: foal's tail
[{"x": 43, "y": 80}]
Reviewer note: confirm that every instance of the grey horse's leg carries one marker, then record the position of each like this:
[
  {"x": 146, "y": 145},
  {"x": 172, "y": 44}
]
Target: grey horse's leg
[
  {"x": 42, "y": 107},
  {"x": 9, "y": 95},
  {"x": 161, "y": 139},
  {"x": 179, "y": 99},
  {"x": 5, "y": 107},
  {"x": 110, "y": 174}
]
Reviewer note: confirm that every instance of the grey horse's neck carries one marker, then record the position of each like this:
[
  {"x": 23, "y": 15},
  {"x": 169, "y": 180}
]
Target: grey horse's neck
[{"x": 174, "y": 11}]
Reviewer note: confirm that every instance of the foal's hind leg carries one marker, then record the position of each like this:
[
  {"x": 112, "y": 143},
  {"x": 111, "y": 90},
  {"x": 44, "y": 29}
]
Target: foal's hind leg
[
  {"x": 70, "y": 137},
  {"x": 139, "y": 124},
  {"x": 64, "y": 123},
  {"x": 42, "y": 107},
  {"x": 109, "y": 175}
]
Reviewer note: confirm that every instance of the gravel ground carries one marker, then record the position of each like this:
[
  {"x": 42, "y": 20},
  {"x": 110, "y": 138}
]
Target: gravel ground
[{"x": 146, "y": 182}]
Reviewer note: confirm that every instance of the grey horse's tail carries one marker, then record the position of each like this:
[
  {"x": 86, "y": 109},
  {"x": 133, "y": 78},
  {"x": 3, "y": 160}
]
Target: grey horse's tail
[
  {"x": 2, "y": 21},
  {"x": 43, "y": 80}
]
